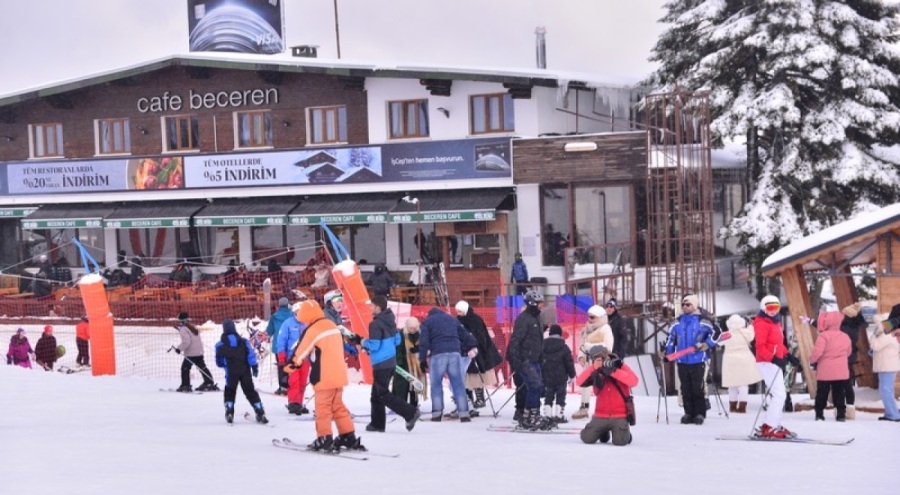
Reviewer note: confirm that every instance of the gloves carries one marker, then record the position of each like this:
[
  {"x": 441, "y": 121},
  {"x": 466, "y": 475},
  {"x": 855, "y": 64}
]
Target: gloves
[
  {"x": 255, "y": 370},
  {"x": 793, "y": 360},
  {"x": 610, "y": 365},
  {"x": 472, "y": 353},
  {"x": 282, "y": 358},
  {"x": 780, "y": 362},
  {"x": 354, "y": 339},
  {"x": 698, "y": 345},
  {"x": 177, "y": 351},
  {"x": 813, "y": 366},
  {"x": 414, "y": 349}
]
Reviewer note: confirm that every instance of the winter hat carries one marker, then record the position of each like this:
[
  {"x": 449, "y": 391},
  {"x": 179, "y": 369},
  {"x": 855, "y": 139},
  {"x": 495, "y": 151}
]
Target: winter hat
[
  {"x": 183, "y": 316},
  {"x": 462, "y": 308},
  {"x": 598, "y": 351},
  {"x": 555, "y": 330},
  {"x": 380, "y": 301},
  {"x": 769, "y": 301},
  {"x": 735, "y": 322},
  {"x": 20, "y": 331},
  {"x": 283, "y": 302},
  {"x": 596, "y": 310},
  {"x": 852, "y": 310},
  {"x": 228, "y": 326},
  {"x": 612, "y": 302},
  {"x": 693, "y": 300},
  {"x": 48, "y": 329}
]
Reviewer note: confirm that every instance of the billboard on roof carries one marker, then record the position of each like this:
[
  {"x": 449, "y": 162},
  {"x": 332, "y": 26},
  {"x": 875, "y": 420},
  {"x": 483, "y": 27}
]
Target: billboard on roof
[{"x": 245, "y": 26}]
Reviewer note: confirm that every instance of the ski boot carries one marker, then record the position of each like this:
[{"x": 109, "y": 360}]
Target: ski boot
[
  {"x": 295, "y": 408},
  {"x": 324, "y": 444},
  {"x": 229, "y": 412},
  {"x": 260, "y": 413},
  {"x": 184, "y": 388},
  {"x": 561, "y": 416},
  {"x": 479, "y": 398},
  {"x": 349, "y": 441},
  {"x": 208, "y": 387}
]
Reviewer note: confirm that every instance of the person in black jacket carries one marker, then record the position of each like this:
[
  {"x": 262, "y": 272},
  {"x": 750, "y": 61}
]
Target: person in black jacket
[
  {"x": 852, "y": 323},
  {"x": 620, "y": 330},
  {"x": 557, "y": 368},
  {"x": 525, "y": 354},
  {"x": 45, "y": 350},
  {"x": 382, "y": 282},
  {"x": 480, "y": 373},
  {"x": 236, "y": 355}
]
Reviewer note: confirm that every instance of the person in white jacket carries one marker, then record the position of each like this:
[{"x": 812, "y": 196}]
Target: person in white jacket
[
  {"x": 596, "y": 332},
  {"x": 886, "y": 362},
  {"x": 738, "y": 363}
]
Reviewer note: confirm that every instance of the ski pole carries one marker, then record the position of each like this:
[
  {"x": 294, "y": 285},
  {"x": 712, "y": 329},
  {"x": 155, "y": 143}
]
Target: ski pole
[
  {"x": 511, "y": 397},
  {"x": 765, "y": 400},
  {"x": 490, "y": 401},
  {"x": 207, "y": 375}
]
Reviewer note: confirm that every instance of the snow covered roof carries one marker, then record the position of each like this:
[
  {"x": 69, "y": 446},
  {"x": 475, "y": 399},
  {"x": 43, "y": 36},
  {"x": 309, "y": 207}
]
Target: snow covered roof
[
  {"x": 286, "y": 63},
  {"x": 841, "y": 241}
]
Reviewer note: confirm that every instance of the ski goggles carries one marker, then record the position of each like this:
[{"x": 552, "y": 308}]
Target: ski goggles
[{"x": 773, "y": 307}]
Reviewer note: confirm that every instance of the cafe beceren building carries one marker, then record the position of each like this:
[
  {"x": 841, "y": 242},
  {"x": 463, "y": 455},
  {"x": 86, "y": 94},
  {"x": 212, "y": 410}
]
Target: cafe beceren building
[{"x": 215, "y": 156}]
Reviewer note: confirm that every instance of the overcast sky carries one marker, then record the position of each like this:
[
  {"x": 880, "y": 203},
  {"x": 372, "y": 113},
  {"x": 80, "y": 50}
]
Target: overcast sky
[{"x": 47, "y": 41}]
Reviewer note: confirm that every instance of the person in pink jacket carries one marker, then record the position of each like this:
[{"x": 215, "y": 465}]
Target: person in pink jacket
[
  {"x": 829, "y": 357},
  {"x": 20, "y": 352}
]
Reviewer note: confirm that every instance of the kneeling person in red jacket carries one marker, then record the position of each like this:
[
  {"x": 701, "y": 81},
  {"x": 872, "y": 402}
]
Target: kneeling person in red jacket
[{"x": 611, "y": 380}]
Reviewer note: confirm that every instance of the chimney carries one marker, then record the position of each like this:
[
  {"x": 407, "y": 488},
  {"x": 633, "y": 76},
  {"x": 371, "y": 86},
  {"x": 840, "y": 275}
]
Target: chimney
[
  {"x": 308, "y": 51},
  {"x": 541, "y": 47}
]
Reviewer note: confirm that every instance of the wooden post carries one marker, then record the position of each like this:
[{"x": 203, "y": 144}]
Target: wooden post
[{"x": 798, "y": 301}]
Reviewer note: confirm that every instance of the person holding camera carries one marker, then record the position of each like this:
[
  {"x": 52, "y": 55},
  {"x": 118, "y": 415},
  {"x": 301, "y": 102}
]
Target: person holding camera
[{"x": 611, "y": 380}]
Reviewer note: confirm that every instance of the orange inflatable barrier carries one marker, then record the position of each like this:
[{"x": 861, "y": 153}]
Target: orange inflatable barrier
[
  {"x": 96, "y": 307},
  {"x": 358, "y": 306}
]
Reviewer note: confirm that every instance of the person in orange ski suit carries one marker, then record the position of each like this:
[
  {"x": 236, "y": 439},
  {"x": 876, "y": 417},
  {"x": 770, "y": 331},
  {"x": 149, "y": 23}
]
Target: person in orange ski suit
[{"x": 324, "y": 345}]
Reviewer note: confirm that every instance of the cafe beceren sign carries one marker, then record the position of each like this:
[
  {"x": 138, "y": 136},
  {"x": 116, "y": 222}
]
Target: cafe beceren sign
[{"x": 168, "y": 102}]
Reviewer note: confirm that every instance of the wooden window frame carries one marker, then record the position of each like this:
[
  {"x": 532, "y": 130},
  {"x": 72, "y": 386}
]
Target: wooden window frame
[
  {"x": 41, "y": 135},
  {"x": 260, "y": 129},
  {"x": 107, "y": 146},
  {"x": 409, "y": 128},
  {"x": 180, "y": 120},
  {"x": 334, "y": 127},
  {"x": 486, "y": 113}
]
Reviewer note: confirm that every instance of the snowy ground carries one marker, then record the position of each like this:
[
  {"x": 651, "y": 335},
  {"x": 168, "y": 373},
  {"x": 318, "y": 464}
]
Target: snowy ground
[{"x": 78, "y": 434}]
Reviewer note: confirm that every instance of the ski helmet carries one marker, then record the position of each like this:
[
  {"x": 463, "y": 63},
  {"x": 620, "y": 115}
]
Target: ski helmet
[
  {"x": 533, "y": 297},
  {"x": 768, "y": 300}
]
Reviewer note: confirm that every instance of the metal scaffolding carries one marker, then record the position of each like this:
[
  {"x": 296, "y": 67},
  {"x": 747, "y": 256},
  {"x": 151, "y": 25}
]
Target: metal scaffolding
[{"x": 679, "y": 237}]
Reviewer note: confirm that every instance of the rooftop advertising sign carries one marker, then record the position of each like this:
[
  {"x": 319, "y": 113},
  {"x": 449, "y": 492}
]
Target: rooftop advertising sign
[{"x": 245, "y": 26}]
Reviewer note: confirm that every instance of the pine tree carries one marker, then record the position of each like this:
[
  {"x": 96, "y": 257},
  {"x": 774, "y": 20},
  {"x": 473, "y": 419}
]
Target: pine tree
[{"x": 813, "y": 87}]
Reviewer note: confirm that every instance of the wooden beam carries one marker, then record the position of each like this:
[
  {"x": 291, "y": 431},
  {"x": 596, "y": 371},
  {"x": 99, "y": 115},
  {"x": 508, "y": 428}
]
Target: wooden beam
[
  {"x": 844, "y": 288},
  {"x": 798, "y": 301}
]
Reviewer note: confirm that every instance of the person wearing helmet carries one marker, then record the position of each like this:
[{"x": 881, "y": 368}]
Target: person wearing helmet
[
  {"x": 525, "y": 352},
  {"x": 289, "y": 334},
  {"x": 771, "y": 357},
  {"x": 519, "y": 275}
]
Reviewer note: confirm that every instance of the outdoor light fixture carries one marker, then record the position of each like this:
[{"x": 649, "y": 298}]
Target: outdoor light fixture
[
  {"x": 142, "y": 130},
  {"x": 286, "y": 123},
  {"x": 9, "y": 138},
  {"x": 580, "y": 146},
  {"x": 444, "y": 111}
]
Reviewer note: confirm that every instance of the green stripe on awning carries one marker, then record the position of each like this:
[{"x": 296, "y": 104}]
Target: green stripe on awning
[
  {"x": 444, "y": 216},
  {"x": 16, "y": 212},
  {"x": 147, "y": 223},
  {"x": 63, "y": 223},
  {"x": 357, "y": 218},
  {"x": 223, "y": 221}
]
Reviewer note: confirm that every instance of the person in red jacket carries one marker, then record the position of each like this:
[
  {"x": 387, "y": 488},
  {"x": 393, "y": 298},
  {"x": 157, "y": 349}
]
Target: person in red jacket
[
  {"x": 771, "y": 358},
  {"x": 82, "y": 336},
  {"x": 612, "y": 381}
]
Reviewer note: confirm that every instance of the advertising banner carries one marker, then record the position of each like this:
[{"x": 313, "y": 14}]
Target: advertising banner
[
  {"x": 245, "y": 26},
  {"x": 369, "y": 164}
]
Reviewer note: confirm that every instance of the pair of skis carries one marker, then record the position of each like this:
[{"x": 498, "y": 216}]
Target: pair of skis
[
  {"x": 350, "y": 455},
  {"x": 814, "y": 441},
  {"x": 518, "y": 429}
]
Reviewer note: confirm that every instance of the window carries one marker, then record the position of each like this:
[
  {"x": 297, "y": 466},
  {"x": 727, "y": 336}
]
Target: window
[
  {"x": 254, "y": 129},
  {"x": 409, "y": 119},
  {"x": 556, "y": 221},
  {"x": 410, "y": 243},
  {"x": 46, "y": 140},
  {"x": 182, "y": 133},
  {"x": 492, "y": 113},
  {"x": 113, "y": 136},
  {"x": 328, "y": 125}
]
